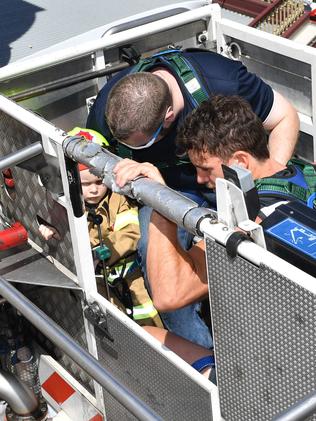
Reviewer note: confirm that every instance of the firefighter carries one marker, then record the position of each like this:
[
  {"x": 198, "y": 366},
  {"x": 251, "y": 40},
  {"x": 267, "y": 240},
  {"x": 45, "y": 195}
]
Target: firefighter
[{"x": 113, "y": 225}]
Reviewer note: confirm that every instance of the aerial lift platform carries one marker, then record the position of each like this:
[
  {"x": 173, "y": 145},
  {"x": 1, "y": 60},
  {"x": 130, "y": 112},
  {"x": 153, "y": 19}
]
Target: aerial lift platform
[{"x": 263, "y": 308}]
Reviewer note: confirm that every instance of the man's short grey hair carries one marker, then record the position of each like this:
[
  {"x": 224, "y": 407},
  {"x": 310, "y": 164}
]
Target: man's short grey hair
[{"x": 137, "y": 103}]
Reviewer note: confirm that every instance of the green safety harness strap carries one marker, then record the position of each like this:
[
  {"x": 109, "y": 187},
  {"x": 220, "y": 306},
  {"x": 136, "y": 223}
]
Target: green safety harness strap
[
  {"x": 182, "y": 67},
  {"x": 301, "y": 186}
]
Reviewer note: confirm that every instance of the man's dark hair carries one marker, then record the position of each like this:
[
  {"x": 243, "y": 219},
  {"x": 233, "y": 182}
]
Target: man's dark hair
[
  {"x": 222, "y": 126},
  {"x": 137, "y": 103}
]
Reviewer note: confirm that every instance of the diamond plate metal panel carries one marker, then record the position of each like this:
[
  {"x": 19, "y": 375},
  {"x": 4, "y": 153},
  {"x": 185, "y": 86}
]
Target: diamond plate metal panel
[
  {"x": 65, "y": 308},
  {"x": 265, "y": 337},
  {"x": 171, "y": 393},
  {"x": 29, "y": 199}
]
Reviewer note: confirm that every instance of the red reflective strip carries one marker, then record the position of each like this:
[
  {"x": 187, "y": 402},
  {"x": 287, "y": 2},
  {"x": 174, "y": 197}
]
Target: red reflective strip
[
  {"x": 97, "y": 417},
  {"x": 58, "y": 388}
]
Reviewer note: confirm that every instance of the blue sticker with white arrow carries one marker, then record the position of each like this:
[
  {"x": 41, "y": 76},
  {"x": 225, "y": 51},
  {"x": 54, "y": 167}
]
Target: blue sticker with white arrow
[{"x": 296, "y": 235}]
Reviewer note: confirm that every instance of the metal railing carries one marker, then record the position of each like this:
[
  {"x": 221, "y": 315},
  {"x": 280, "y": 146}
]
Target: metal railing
[
  {"x": 169, "y": 203},
  {"x": 86, "y": 361}
]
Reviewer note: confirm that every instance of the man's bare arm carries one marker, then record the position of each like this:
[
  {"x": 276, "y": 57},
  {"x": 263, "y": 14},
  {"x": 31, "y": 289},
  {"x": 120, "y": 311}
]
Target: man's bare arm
[
  {"x": 177, "y": 277},
  {"x": 283, "y": 123}
]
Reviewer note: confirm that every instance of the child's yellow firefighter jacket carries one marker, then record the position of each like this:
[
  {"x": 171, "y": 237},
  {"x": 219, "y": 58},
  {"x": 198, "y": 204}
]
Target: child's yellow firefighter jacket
[{"x": 120, "y": 233}]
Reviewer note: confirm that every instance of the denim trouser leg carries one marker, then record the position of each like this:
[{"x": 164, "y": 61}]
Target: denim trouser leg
[{"x": 186, "y": 321}]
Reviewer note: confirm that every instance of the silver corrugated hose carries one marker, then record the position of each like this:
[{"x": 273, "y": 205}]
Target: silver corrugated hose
[{"x": 20, "y": 398}]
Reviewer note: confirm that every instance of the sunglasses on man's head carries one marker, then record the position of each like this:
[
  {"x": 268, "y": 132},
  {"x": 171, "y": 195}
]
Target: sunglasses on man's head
[{"x": 149, "y": 143}]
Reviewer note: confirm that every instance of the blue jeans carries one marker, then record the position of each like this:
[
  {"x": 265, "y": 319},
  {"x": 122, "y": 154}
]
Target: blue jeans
[{"x": 185, "y": 322}]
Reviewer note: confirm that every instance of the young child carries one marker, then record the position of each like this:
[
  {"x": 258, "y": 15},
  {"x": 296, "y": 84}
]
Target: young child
[{"x": 118, "y": 224}]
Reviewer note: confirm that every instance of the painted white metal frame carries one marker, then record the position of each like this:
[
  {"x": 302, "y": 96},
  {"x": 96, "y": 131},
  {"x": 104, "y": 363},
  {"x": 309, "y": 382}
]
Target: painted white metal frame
[
  {"x": 52, "y": 139},
  {"x": 232, "y": 211},
  {"x": 288, "y": 48}
]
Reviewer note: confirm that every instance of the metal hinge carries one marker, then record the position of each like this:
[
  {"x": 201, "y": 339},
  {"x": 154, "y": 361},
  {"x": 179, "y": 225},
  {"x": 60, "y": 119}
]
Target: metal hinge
[{"x": 94, "y": 315}]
